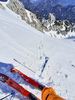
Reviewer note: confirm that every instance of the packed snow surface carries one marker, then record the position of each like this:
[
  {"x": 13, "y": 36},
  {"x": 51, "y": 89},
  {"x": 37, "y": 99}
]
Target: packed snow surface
[{"x": 29, "y": 47}]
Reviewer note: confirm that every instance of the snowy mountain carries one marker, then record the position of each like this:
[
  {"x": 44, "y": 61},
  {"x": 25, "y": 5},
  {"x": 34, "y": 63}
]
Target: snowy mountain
[
  {"x": 51, "y": 2},
  {"x": 20, "y": 41},
  {"x": 28, "y": 4},
  {"x": 55, "y": 7},
  {"x": 67, "y": 2},
  {"x": 64, "y": 13},
  {"x": 66, "y": 9},
  {"x": 36, "y": 2},
  {"x": 56, "y": 2}
]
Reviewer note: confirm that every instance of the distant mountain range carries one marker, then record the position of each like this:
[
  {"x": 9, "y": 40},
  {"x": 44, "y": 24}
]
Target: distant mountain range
[
  {"x": 67, "y": 2},
  {"x": 60, "y": 8},
  {"x": 28, "y": 4},
  {"x": 64, "y": 13},
  {"x": 61, "y": 2},
  {"x": 36, "y": 2}
]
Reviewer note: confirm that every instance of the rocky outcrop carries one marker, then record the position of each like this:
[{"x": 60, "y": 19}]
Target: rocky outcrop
[
  {"x": 2, "y": 7},
  {"x": 59, "y": 27},
  {"x": 47, "y": 24},
  {"x": 18, "y": 8},
  {"x": 35, "y": 22}
]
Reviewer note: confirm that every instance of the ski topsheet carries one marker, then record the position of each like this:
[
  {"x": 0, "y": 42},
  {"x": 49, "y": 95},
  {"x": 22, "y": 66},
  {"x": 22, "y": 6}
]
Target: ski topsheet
[
  {"x": 16, "y": 86},
  {"x": 28, "y": 79}
]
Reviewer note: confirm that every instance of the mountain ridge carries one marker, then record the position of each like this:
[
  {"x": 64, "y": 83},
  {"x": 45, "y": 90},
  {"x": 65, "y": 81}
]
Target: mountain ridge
[{"x": 51, "y": 6}]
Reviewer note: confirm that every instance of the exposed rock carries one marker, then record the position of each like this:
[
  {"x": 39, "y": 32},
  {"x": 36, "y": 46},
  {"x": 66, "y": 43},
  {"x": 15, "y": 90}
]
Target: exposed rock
[
  {"x": 35, "y": 22},
  {"x": 18, "y": 8},
  {"x": 47, "y": 24},
  {"x": 2, "y": 7},
  {"x": 64, "y": 28},
  {"x": 51, "y": 18}
]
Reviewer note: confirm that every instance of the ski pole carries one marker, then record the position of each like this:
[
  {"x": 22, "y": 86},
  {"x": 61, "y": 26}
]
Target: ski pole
[
  {"x": 46, "y": 60},
  {"x": 12, "y": 93},
  {"x": 24, "y": 66},
  {"x": 5, "y": 97}
]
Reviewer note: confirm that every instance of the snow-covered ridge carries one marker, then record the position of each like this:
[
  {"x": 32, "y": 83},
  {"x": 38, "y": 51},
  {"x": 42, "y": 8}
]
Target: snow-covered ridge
[
  {"x": 20, "y": 41},
  {"x": 50, "y": 27}
]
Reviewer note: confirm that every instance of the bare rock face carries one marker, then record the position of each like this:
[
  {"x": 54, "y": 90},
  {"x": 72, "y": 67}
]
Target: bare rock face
[
  {"x": 47, "y": 24},
  {"x": 51, "y": 18},
  {"x": 2, "y": 7},
  {"x": 35, "y": 22},
  {"x": 18, "y": 8}
]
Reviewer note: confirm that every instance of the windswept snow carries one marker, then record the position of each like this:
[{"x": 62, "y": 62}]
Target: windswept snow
[{"x": 20, "y": 41}]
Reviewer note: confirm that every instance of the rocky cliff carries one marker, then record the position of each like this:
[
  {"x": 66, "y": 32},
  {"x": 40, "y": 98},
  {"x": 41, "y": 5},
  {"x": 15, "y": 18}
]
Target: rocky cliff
[{"x": 17, "y": 7}]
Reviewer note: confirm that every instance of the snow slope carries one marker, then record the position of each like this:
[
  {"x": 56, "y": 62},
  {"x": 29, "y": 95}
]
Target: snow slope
[{"x": 20, "y": 41}]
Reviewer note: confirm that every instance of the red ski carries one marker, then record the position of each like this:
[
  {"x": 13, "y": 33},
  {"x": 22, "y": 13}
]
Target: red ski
[
  {"x": 16, "y": 86},
  {"x": 28, "y": 79}
]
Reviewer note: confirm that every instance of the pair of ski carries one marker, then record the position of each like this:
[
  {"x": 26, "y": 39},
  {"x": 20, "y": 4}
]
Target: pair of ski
[{"x": 19, "y": 88}]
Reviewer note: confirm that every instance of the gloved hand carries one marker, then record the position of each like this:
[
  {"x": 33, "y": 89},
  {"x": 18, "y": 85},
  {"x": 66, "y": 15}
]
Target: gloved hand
[{"x": 50, "y": 94}]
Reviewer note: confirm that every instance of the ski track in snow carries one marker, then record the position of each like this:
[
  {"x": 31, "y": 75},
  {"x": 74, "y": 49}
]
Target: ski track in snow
[{"x": 20, "y": 41}]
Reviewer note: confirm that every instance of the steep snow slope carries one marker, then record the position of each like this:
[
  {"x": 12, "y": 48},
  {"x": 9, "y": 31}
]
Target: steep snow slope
[{"x": 20, "y": 41}]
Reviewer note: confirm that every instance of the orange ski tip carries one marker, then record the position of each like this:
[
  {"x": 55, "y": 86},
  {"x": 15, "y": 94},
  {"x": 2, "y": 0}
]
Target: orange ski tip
[
  {"x": 14, "y": 69},
  {"x": 11, "y": 70}
]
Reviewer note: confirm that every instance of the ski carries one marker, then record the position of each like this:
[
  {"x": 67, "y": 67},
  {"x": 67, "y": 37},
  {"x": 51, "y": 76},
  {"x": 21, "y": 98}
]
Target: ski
[
  {"x": 28, "y": 79},
  {"x": 13, "y": 84}
]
